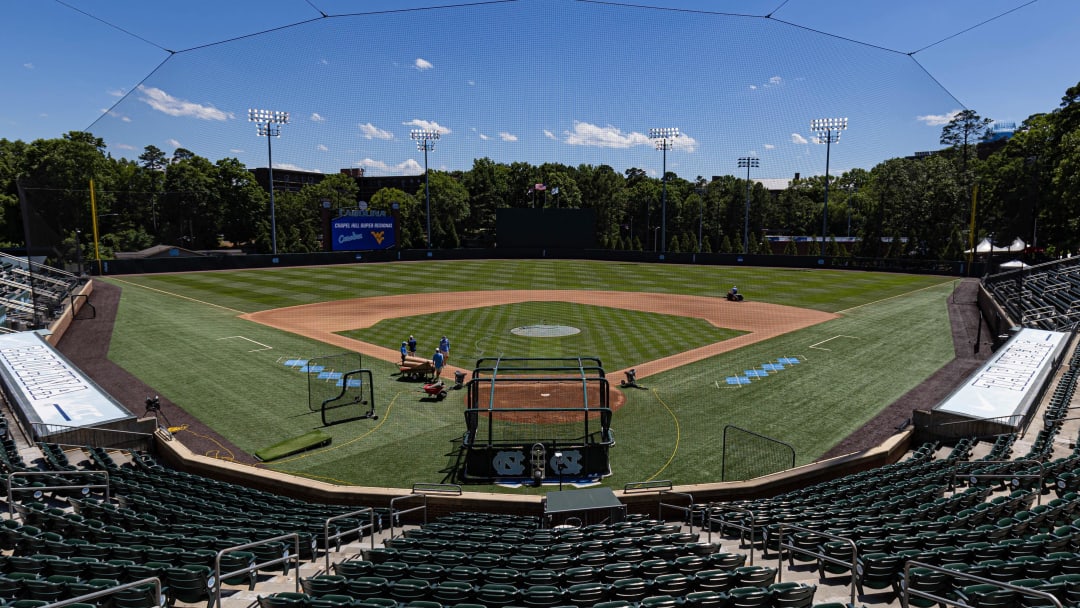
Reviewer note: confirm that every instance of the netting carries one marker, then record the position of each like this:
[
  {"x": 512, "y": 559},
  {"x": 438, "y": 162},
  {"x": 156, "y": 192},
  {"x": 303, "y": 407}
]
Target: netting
[
  {"x": 328, "y": 387},
  {"x": 748, "y": 455},
  {"x": 355, "y": 85}
]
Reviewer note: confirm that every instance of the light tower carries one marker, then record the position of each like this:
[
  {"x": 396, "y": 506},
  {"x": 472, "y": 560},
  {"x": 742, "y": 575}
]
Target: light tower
[
  {"x": 663, "y": 139},
  {"x": 828, "y": 132},
  {"x": 425, "y": 140},
  {"x": 269, "y": 123},
  {"x": 748, "y": 162}
]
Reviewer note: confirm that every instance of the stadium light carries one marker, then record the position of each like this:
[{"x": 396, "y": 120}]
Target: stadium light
[
  {"x": 663, "y": 139},
  {"x": 748, "y": 162},
  {"x": 269, "y": 123},
  {"x": 425, "y": 140},
  {"x": 828, "y": 132}
]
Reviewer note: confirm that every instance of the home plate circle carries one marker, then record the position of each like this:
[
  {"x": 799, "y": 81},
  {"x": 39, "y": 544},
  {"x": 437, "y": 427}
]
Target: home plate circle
[{"x": 545, "y": 331}]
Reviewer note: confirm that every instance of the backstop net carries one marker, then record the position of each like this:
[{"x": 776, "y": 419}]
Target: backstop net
[
  {"x": 338, "y": 387},
  {"x": 748, "y": 455}
]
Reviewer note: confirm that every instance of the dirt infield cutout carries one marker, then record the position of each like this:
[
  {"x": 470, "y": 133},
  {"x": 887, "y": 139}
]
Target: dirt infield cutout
[{"x": 760, "y": 320}]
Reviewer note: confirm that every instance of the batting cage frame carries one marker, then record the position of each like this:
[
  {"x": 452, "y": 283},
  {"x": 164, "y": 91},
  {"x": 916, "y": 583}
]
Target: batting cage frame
[
  {"x": 522, "y": 438},
  {"x": 338, "y": 381}
]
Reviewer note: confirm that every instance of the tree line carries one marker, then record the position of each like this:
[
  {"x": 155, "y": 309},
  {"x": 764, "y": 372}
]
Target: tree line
[{"x": 1027, "y": 186}]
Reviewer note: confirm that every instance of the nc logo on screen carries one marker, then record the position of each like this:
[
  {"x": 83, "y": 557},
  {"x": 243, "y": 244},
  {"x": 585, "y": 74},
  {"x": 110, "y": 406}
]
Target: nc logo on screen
[{"x": 379, "y": 236}]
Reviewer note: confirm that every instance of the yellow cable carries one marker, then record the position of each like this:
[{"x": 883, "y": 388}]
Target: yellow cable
[
  {"x": 231, "y": 457},
  {"x": 678, "y": 435}
]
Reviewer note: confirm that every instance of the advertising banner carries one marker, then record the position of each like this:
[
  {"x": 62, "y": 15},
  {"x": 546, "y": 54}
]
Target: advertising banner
[{"x": 363, "y": 233}]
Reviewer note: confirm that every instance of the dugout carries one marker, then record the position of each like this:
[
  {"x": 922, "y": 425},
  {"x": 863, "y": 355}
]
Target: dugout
[{"x": 537, "y": 419}]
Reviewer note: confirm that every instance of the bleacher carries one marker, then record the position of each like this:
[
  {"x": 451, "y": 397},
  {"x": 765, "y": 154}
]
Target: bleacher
[
  {"x": 33, "y": 294},
  {"x": 1046, "y": 296},
  {"x": 990, "y": 522}
]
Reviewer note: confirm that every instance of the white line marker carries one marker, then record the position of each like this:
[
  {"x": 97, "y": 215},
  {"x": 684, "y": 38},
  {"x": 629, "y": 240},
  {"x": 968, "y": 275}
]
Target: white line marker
[
  {"x": 254, "y": 350},
  {"x": 827, "y": 340}
]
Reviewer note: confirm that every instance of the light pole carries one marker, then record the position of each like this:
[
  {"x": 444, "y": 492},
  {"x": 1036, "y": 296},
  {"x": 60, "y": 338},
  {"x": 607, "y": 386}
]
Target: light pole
[
  {"x": 747, "y": 161},
  {"x": 425, "y": 140},
  {"x": 828, "y": 132},
  {"x": 269, "y": 123},
  {"x": 663, "y": 138}
]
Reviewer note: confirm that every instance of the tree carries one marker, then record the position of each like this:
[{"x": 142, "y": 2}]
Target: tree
[
  {"x": 962, "y": 132},
  {"x": 449, "y": 207}
]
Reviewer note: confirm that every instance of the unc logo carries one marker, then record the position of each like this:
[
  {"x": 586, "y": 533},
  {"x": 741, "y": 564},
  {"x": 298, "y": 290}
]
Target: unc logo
[
  {"x": 508, "y": 463},
  {"x": 571, "y": 462},
  {"x": 379, "y": 236}
]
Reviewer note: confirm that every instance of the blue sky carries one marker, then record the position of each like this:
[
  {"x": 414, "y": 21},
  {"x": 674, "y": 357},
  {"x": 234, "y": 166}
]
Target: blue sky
[{"x": 530, "y": 80}]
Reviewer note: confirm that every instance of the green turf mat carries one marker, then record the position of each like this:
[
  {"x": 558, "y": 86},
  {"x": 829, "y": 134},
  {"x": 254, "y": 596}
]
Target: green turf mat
[{"x": 307, "y": 441}]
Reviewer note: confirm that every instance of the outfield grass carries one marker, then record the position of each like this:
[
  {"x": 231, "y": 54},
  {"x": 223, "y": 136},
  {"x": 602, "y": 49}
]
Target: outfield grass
[{"x": 180, "y": 334}]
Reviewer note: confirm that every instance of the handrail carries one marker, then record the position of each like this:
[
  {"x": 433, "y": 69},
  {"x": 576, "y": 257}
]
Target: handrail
[
  {"x": 1011, "y": 476},
  {"x": 327, "y": 536},
  {"x": 422, "y": 490},
  {"x": 662, "y": 487},
  {"x": 740, "y": 527},
  {"x": 295, "y": 557},
  {"x": 11, "y": 489},
  {"x": 821, "y": 556},
  {"x": 908, "y": 591},
  {"x": 111, "y": 591}
]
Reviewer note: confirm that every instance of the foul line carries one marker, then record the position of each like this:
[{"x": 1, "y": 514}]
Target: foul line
[
  {"x": 899, "y": 295},
  {"x": 176, "y": 295},
  {"x": 255, "y": 350}
]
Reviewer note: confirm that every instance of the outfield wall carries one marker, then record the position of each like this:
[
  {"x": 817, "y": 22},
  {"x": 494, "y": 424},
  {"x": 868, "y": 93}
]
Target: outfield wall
[{"x": 239, "y": 262}]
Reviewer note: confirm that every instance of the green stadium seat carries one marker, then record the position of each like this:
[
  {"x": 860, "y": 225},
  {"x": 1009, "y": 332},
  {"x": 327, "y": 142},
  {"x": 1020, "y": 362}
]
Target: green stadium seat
[
  {"x": 495, "y": 595},
  {"x": 630, "y": 589},
  {"x": 284, "y": 599},
  {"x": 792, "y": 595},
  {"x": 542, "y": 596},
  {"x": 189, "y": 584},
  {"x": 323, "y": 584},
  {"x": 452, "y": 592}
]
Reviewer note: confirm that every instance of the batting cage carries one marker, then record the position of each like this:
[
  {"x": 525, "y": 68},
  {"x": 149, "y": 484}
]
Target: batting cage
[
  {"x": 531, "y": 419},
  {"x": 339, "y": 388}
]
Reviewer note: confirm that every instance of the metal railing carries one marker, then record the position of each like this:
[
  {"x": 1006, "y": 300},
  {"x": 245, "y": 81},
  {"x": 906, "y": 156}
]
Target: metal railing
[
  {"x": 421, "y": 491},
  {"x": 663, "y": 488},
  {"x": 821, "y": 556},
  {"x": 327, "y": 537},
  {"x": 907, "y": 592},
  {"x": 112, "y": 591},
  {"x": 80, "y": 436},
  {"x": 85, "y": 487},
  {"x": 254, "y": 567},
  {"x": 751, "y": 529},
  {"x": 1014, "y": 478}
]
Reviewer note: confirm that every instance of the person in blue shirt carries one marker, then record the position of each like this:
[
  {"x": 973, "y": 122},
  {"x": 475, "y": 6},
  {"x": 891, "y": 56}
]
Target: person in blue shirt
[
  {"x": 438, "y": 360},
  {"x": 412, "y": 346},
  {"x": 444, "y": 348},
  {"x": 404, "y": 351}
]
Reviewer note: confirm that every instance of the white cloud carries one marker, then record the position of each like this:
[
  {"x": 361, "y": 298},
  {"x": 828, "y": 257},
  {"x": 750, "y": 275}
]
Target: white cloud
[
  {"x": 370, "y": 131},
  {"x": 585, "y": 134},
  {"x": 124, "y": 146},
  {"x": 753, "y": 87},
  {"x": 484, "y": 137},
  {"x": 116, "y": 114},
  {"x": 427, "y": 125},
  {"x": 775, "y": 80},
  {"x": 322, "y": 148},
  {"x": 116, "y": 92},
  {"x": 324, "y": 62},
  {"x": 408, "y": 167},
  {"x": 422, "y": 64},
  {"x": 798, "y": 139},
  {"x": 316, "y": 117},
  {"x": 163, "y": 102},
  {"x": 503, "y": 135},
  {"x": 769, "y": 146},
  {"x": 471, "y": 83},
  {"x": 292, "y": 167},
  {"x": 28, "y": 66},
  {"x": 549, "y": 134},
  {"x": 235, "y": 151},
  {"x": 937, "y": 120},
  {"x": 174, "y": 143}
]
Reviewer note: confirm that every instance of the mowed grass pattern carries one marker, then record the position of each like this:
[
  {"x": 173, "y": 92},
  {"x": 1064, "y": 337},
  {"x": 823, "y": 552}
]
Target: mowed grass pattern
[
  {"x": 619, "y": 337},
  {"x": 179, "y": 336},
  {"x": 253, "y": 290}
]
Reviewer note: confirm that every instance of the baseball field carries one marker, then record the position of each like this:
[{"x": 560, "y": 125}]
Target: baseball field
[{"x": 222, "y": 346}]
